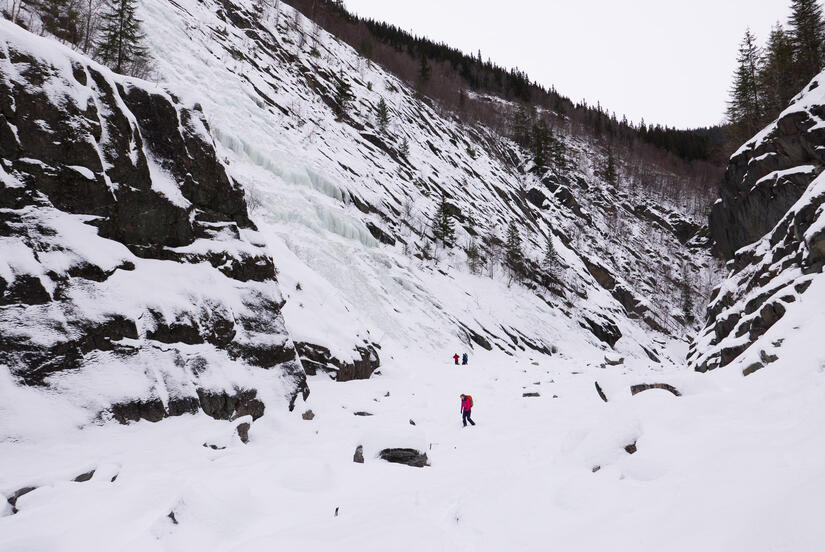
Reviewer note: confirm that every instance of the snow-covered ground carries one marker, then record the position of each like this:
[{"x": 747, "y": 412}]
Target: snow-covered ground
[{"x": 732, "y": 464}]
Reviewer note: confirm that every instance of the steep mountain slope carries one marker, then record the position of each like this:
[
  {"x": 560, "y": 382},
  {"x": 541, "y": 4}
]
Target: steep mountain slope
[
  {"x": 347, "y": 214},
  {"x": 780, "y": 166},
  {"x": 131, "y": 278},
  {"x": 769, "y": 173}
]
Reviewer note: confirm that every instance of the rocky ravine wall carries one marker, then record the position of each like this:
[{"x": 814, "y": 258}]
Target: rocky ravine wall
[
  {"x": 770, "y": 173},
  {"x": 772, "y": 188},
  {"x": 131, "y": 277}
]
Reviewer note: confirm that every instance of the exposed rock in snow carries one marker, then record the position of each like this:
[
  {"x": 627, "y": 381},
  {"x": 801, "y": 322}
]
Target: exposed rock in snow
[
  {"x": 130, "y": 274},
  {"x": 408, "y": 456},
  {"x": 318, "y": 358},
  {"x": 635, "y": 389},
  {"x": 770, "y": 173},
  {"x": 600, "y": 391},
  {"x": 770, "y": 276}
]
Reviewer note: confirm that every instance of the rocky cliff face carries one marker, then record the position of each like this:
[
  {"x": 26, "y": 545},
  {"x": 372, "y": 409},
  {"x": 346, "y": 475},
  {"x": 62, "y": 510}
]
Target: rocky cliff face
[
  {"x": 130, "y": 274},
  {"x": 771, "y": 172},
  {"x": 772, "y": 187}
]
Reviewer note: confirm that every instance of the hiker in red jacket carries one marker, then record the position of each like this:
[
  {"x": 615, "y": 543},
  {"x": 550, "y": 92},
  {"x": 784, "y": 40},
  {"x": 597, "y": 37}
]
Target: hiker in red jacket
[
  {"x": 466, "y": 407},
  {"x": 455, "y": 358}
]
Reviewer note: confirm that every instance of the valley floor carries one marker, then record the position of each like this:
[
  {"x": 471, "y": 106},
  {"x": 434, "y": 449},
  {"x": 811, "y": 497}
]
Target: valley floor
[{"x": 733, "y": 464}]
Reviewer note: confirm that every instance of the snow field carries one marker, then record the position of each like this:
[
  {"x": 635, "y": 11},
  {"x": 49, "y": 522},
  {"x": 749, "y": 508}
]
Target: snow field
[{"x": 711, "y": 471}]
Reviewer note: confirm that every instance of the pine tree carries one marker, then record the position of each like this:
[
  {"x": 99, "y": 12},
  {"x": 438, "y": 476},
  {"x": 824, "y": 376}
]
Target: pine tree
[
  {"x": 474, "y": 257},
  {"x": 513, "y": 253},
  {"x": 541, "y": 139},
  {"x": 609, "y": 172},
  {"x": 382, "y": 115},
  {"x": 745, "y": 104},
  {"x": 807, "y": 30},
  {"x": 549, "y": 254},
  {"x": 343, "y": 97},
  {"x": 404, "y": 148},
  {"x": 121, "y": 44},
  {"x": 62, "y": 19},
  {"x": 549, "y": 261},
  {"x": 424, "y": 70},
  {"x": 443, "y": 225},
  {"x": 777, "y": 88},
  {"x": 521, "y": 128},
  {"x": 558, "y": 153}
]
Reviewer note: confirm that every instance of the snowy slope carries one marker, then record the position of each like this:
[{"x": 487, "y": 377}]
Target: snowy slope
[{"x": 318, "y": 184}]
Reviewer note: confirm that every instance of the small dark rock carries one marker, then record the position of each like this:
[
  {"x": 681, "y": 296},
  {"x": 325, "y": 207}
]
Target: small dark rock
[
  {"x": 600, "y": 392},
  {"x": 308, "y": 415},
  {"x": 16, "y": 495},
  {"x": 84, "y": 476},
  {"x": 362, "y": 413},
  {"x": 243, "y": 432},
  {"x": 631, "y": 448},
  {"x": 533, "y": 394},
  {"x": 635, "y": 389},
  {"x": 754, "y": 367},
  {"x": 358, "y": 457}
]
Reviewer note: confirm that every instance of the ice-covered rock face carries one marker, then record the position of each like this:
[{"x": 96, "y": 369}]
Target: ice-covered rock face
[
  {"x": 131, "y": 277},
  {"x": 346, "y": 208},
  {"x": 777, "y": 173}
]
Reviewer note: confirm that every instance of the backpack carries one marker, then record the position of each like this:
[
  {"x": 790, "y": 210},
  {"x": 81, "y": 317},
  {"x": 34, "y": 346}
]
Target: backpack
[{"x": 470, "y": 398}]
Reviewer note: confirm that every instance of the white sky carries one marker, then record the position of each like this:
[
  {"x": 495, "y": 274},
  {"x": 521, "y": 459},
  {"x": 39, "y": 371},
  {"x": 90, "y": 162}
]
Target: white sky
[{"x": 666, "y": 61}]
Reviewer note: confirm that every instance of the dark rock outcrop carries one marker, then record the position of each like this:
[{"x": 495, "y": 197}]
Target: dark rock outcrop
[
  {"x": 604, "y": 329},
  {"x": 358, "y": 457},
  {"x": 407, "y": 456},
  {"x": 115, "y": 204},
  {"x": 769, "y": 174},
  {"x": 316, "y": 357},
  {"x": 380, "y": 234},
  {"x": 771, "y": 194},
  {"x": 636, "y": 389}
]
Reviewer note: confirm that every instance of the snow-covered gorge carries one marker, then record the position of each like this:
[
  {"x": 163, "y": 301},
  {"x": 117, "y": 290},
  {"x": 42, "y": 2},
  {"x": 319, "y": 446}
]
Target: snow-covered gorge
[{"x": 341, "y": 214}]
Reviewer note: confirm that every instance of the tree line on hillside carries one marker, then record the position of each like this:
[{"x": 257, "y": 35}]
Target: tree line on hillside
[
  {"x": 460, "y": 82},
  {"x": 767, "y": 78},
  {"x": 108, "y": 30}
]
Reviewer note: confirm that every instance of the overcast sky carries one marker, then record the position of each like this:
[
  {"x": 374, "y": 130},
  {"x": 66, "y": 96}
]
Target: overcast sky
[{"x": 666, "y": 61}]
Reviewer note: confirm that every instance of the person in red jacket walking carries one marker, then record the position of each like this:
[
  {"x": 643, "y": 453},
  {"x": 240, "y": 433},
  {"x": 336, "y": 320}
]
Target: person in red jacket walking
[
  {"x": 466, "y": 407},
  {"x": 455, "y": 358}
]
